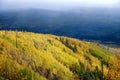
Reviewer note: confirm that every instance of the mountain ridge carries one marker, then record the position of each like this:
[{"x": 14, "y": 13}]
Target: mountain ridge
[{"x": 90, "y": 24}]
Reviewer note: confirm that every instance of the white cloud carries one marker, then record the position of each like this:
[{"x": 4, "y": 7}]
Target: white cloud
[{"x": 54, "y": 4}]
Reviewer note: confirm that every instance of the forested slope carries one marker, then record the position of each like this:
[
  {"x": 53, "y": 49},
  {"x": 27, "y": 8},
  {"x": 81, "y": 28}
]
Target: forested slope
[{"x": 30, "y": 56}]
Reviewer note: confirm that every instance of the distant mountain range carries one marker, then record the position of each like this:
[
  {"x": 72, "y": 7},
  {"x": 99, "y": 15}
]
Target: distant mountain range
[{"x": 100, "y": 24}]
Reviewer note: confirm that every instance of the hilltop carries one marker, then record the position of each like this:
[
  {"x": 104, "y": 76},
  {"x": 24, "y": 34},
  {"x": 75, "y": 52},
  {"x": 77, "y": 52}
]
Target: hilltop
[{"x": 32, "y": 56}]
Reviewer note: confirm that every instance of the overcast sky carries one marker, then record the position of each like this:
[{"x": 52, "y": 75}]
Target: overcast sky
[{"x": 57, "y": 4}]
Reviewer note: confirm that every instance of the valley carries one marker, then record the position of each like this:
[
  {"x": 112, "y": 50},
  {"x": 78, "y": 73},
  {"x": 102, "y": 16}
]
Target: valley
[
  {"x": 77, "y": 44},
  {"x": 100, "y": 24}
]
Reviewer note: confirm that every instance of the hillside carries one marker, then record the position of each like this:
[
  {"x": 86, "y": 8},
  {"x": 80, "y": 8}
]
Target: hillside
[{"x": 30, "y": 56}]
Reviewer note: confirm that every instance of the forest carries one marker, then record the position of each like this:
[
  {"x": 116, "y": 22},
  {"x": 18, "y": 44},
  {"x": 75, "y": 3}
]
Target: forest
[
  {"x": 35, "y": 56},
  {"x": 101, "y": 24}
]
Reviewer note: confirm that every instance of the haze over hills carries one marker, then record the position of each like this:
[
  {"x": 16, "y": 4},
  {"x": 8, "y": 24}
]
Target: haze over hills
[
  {"x": 84, "y": 23},
  {"x": 29, "y": 49}
]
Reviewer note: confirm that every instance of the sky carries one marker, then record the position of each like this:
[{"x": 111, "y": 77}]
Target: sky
[{"x": 57, "y": 4}]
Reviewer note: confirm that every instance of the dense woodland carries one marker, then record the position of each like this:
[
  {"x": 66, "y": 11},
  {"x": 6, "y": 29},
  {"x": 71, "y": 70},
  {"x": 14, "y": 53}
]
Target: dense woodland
[
  {"x": 84, "y": 23},
  {"x": 30, "y": 56}
]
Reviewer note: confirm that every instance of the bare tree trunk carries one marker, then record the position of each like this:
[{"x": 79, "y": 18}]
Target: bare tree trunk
[{"x": 16, "y": 38}]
